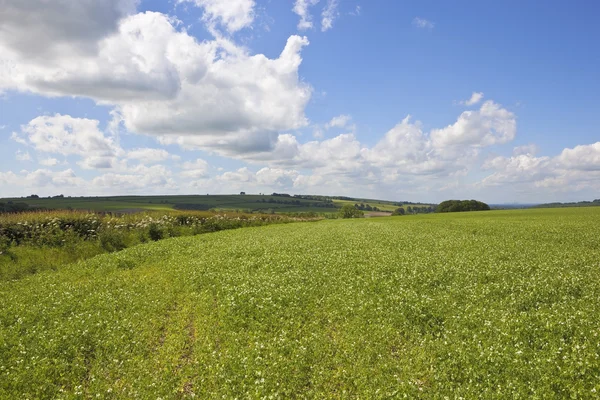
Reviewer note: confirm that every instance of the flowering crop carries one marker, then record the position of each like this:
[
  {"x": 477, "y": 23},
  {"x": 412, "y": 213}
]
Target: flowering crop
[
  {"x": 502, "y": 304},
  {"x": 33, "y": 242}
]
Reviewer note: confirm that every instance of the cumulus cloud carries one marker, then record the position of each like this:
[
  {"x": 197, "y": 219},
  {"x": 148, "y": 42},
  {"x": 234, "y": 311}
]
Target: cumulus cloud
[
  {"x": 149, "y": 156},
  {"x": 138, "y": 178},
  {"x": 63, "y": 134},
  {"x": 234, "y": 15},
  {"x": 423, "y": 23},
  {"x": 523, "y": 168},
  {"x": 22, "y": 156},
  {"x": 197, "y": 169},
  {"x": 42, "y": 29},
  {"x": 49, "y": 162},
  {"x": 162, "y": 81},
  {"x": 491, "y": 124},
  {"x": 476, "y": 97},
  {"x": 531, "y": 149},
  {"x": 67, "y": 136},
  {"x": 341, "y": 121},
  {"x": 41, "y": 178},
  {"x": 581, "y": 158},
  {"x": 573, "y": 170}
]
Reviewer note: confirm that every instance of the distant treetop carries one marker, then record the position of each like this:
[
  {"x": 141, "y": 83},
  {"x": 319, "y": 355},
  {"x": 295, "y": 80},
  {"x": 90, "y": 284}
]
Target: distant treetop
[{"x": 461, "y": 205}]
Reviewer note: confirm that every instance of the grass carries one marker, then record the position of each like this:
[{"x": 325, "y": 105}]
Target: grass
[
  {"x": 257, "y": 203},
  {"x": 385, "y": 206},
  {"x": 165, "y": 203},
  {"x": 47, "y": 240},
  {"x": 500, "y": 304}
]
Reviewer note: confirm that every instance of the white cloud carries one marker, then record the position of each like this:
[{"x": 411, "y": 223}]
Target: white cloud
[
  {"x": 490, "y": 125},
  {"x": 581, "y": 158},
  {"x": 329, "y": 15},
  {"x": 242, "y": 175},
  {"x": 301, "y": 8},
  {"x": 423, "y": 23},
  {"x": 234, "y": 15},
  {"x": 197, "y": 169},
  {"x": 164, "y": 82},
  {"x": 341, "y": 121},
  {"x": 574, "y": 170},
  {"x": 139, "y": 178},
  {"x": 49, "y": 162},
  {"x": 42, "y": 178},
  {"x": 276, "y": 177},
  {"x": 43, "y": 30},
  {"x": 22, "y": 156},
  {"x": 65, "y": 135},
  {"x": 476, "y": 97},
  {"x": 149, "y": 156},
  {"x": 523, "y": 168},
  {"x": 530, "y": 149}
]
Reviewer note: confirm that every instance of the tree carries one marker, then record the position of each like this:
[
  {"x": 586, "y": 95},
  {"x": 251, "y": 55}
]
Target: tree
[
  {"x": 399, "y": 211},
  {"x": 461, "y": 205},
  {"x": 348, "y": 211}
]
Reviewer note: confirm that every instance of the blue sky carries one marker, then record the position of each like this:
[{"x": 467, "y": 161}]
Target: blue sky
[{"x": 420, "y": 101}]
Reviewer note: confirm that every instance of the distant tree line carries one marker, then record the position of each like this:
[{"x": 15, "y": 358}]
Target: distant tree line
[
  {"x": 414, "y": 210},
  {"x": 298, "y": 203},
  {"x": 324, "y": 199},
  {"x": 35, "y": 196},
  {"x": 461, "y": 205},
  {"x": 577, "y": 204},
  {"x": 366, "y": 207}
]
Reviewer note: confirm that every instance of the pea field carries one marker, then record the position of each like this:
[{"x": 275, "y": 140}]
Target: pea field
[{"x": 495, "y": 304}]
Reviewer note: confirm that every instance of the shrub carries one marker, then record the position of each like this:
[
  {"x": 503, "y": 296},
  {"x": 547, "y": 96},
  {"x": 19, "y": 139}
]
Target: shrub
[
  {"x": 112, "y": 240},
  {"x": 349, "y": 211},
  {"x": 461, "y": 205},
  {"x": 155, "y": 232}
]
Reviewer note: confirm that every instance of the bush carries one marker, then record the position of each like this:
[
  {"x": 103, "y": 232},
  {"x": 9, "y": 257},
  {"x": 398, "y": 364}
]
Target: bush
[
  {"x": 349, "y": 211},
  {"x": 155, "y": 232},
  {"x": 461, "y": 205},
  {"x": 112, "y": 240},
  {"x": 399, "y": 211}
]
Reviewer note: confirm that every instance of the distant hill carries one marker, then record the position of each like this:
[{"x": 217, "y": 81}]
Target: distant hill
[
  {"x": 259, "y": 203},
  {"x": 577, "y": 204}
]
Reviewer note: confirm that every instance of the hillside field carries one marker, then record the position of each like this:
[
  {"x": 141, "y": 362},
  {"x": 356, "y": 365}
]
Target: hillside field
[
  {"x": 250, "y": 202},
  {"x": 496, "y": 304}
]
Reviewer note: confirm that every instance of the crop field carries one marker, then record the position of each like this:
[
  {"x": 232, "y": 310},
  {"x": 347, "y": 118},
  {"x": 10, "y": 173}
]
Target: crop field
[
  {"x": 31, "y": 242},
  {"x": 386, "y": 206},
  {"x": 498, "y": 304},
  {"x": 253, "y": 203},
  {"x": 258, "y": 203}
]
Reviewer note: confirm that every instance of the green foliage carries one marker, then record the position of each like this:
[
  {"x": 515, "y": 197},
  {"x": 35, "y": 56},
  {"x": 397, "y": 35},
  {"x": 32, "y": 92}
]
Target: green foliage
[
  {"x": 112, "y": 240},
  {"x": 461, "y": 205},
  {"x": 499, "y": 305},
  {"x": 155, "y": 232},
  {"x": 34, "y": 242},
  {"x": 349, "y": 211},
  {"x": 399, "y": 211}
]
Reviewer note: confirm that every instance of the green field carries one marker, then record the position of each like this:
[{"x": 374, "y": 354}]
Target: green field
[
  {"x": 254, "y": 203},
  {"x": 499, "y": 304},
  {"x": 385, "y": 206}
]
